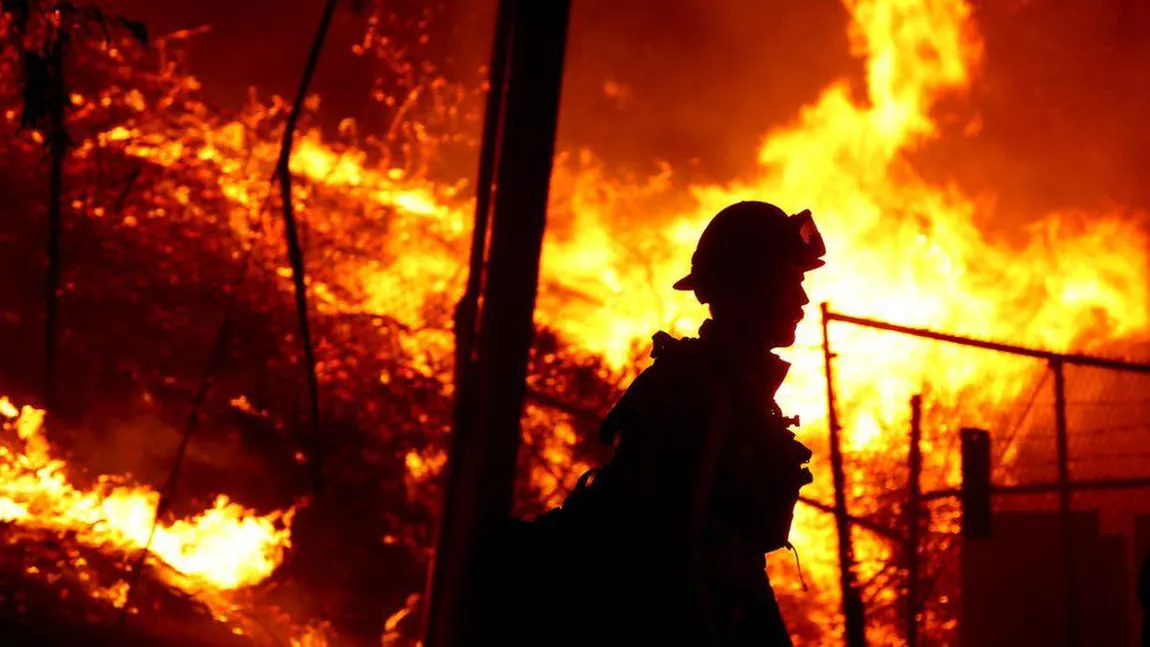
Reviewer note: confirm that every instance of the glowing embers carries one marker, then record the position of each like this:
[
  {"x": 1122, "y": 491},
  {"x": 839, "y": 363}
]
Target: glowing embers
[{"x": 225, "y": 547}]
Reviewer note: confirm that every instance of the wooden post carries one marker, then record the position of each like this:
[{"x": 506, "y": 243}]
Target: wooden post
[
  {"x": 467, "y": 310},
  {"x": 481, "y": 466},
  {"x": 853, "y": 612},
  {"x": 914, "y": 517}
]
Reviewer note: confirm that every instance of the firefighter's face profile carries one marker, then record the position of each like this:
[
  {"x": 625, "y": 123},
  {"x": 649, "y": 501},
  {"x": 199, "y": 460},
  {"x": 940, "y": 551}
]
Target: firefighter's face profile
[{"x": 768, "y": 305}]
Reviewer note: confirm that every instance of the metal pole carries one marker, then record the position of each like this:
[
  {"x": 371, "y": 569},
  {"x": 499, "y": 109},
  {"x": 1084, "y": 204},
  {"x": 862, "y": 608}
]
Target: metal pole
[
  {"x": 975, "y": 495},
  {"x": 1064, "y": 500},
  {"x": 484, "y": 444},
  {"x": 914, "y": 515},
  {"x": 1045, "y": 488},
  {"x": 852, "y": 603},
  {"x": 1068, "y": 358}
]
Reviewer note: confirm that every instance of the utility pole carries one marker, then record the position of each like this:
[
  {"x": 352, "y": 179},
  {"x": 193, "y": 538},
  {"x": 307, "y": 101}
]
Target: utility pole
[
  {"x": 527, "y": 71},
  {"x": 852, "y": 603}
]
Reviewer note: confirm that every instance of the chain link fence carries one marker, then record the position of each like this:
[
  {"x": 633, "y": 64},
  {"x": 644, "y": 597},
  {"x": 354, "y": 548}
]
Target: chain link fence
[{"x": 1069, "y": 484}]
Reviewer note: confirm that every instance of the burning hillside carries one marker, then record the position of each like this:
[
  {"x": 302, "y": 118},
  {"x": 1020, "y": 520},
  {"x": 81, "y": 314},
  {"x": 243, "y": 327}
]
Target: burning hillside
[
  {"x": 171, "y": 227},
  {"x": 205, "y": 557}
]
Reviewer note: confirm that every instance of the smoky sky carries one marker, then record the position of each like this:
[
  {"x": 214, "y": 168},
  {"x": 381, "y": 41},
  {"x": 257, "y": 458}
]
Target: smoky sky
[{"x": 1061, "y": 94}]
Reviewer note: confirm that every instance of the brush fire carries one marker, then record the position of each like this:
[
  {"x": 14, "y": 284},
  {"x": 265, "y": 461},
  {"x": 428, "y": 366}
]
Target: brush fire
[{"x": 172, "y": 263}]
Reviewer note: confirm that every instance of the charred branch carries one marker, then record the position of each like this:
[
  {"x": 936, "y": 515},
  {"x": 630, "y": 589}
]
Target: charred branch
[
  {"x": 295, "y": 253},
  {"x": 58, "y": 143}
]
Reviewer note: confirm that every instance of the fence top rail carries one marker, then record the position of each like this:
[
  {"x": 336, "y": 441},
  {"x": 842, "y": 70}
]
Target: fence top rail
[{"x": 1050, "y": 356}]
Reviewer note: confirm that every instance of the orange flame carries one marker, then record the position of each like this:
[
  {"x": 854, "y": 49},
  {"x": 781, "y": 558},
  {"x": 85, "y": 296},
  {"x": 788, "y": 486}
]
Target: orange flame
[
  {"x": 225, "y": 547},
  {"x": 900, "y": 248}
]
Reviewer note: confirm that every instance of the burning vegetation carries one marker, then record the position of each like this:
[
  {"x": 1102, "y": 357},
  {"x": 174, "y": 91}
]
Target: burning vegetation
[{"x": 172, "y": 245}]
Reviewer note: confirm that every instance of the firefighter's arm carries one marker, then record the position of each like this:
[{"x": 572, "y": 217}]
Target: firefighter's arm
[{"x": 698, "y": 427}]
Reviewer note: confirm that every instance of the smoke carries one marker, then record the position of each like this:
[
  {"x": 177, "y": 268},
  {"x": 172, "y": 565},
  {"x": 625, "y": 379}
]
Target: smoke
[
  {"x": 1058, "y": 109},
  {"x": 1054, "y": 120},
  {"x": 696, "y": 84}
]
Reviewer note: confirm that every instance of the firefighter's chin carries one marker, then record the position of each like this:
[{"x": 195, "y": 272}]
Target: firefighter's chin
[
  {"x": 783, "y": 334},
  {"x": 778, "y": 534}
]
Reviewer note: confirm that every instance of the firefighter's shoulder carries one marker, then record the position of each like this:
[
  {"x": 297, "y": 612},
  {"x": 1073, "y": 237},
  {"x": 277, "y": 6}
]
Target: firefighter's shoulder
[{"x": 684, "y": 374}]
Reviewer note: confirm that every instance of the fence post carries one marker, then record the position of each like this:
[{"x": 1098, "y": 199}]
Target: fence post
[
  {"x": 1057, "y": 366},
  {"x": 914, "y": 515},
  {"x": 852, "y": 603}
]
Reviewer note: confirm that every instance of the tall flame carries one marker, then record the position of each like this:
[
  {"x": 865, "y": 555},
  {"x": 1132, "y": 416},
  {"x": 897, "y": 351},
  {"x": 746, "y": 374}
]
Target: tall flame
[{"x": 903, "y": 250}]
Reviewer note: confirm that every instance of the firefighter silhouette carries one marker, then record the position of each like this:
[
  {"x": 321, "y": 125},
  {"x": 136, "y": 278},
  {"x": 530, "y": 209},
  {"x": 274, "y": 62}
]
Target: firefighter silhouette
[{"x": 665, "y": 543}]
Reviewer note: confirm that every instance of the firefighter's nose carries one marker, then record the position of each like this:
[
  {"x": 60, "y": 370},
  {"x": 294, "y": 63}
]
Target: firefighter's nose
[{"x": 803, "y": 454}]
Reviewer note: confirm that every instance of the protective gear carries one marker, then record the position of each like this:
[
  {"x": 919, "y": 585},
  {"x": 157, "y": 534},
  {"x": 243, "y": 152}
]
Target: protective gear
[
  {"x": 665, "y": 543},
  {"x": 632, "y": 509},
  {"x": 753, "y": 238}
]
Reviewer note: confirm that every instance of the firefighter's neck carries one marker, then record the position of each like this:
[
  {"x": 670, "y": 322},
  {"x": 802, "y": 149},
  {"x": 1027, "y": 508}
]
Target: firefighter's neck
[{"x": 740, "y": 335}]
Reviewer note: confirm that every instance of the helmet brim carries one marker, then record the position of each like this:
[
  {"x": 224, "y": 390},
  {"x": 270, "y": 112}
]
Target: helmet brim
[{"x": 685, "y": 283}]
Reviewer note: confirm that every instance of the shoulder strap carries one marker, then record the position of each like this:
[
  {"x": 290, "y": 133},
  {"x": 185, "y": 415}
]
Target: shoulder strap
[{"x": 664, "y": 350}]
